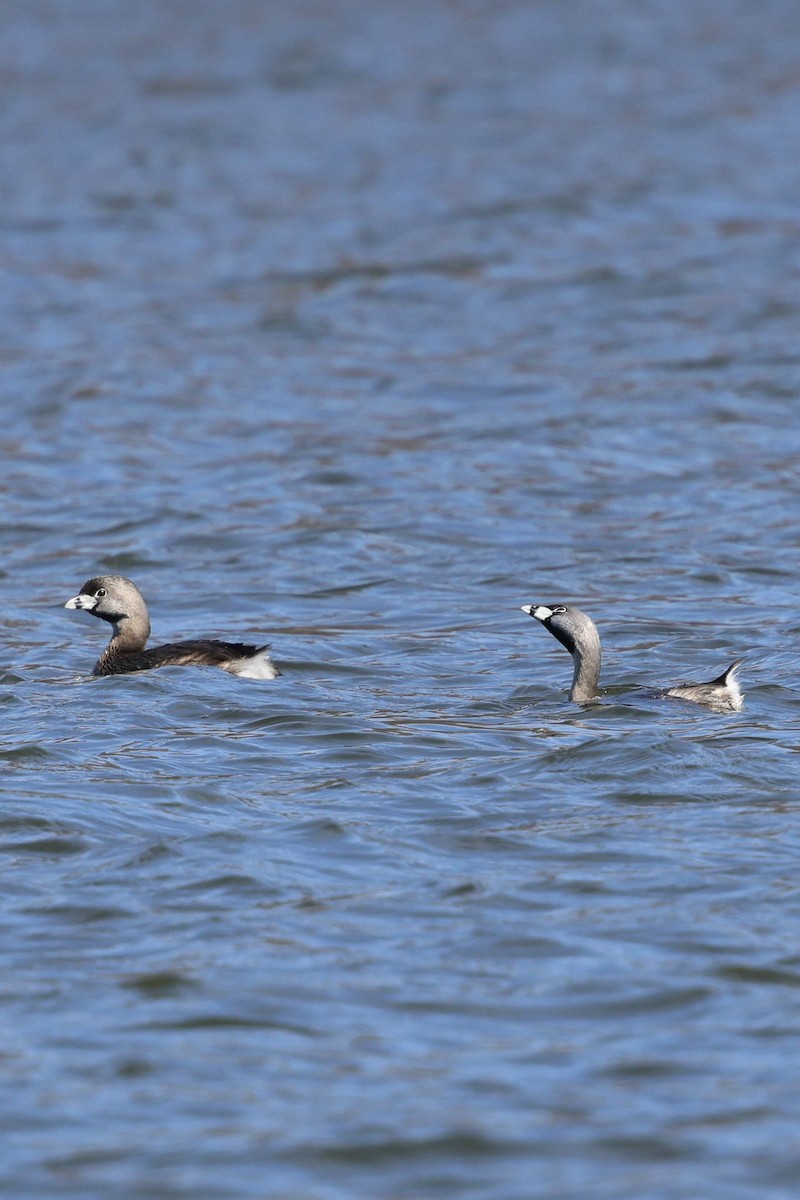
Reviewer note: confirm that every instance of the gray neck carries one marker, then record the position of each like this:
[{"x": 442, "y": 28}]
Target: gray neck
[
  {"x": 586, "y": 657},
  {"x": 130, "y": 633}
]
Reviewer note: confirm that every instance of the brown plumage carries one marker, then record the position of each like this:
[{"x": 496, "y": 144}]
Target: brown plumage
[
  {"x": 578, "y": 634},
  {"x": 115, "y": 599}
]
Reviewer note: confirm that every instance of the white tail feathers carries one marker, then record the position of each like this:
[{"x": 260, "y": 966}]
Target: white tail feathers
[{"x": 257, "y": 666}]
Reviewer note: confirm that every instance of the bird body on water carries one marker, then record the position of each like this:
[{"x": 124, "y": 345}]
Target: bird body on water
[
  {"x": 115, "y": 599},
  {"x": 577, "y": 632}
]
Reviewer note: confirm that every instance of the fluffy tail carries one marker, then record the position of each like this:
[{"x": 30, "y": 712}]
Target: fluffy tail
[
  {"x": 253, "y": 666},
  {"x": 728, "y": 675}
]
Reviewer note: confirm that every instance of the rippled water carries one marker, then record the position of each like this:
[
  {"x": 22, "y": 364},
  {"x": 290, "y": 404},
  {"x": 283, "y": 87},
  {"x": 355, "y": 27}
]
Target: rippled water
[{"x": 355, "y": 326}]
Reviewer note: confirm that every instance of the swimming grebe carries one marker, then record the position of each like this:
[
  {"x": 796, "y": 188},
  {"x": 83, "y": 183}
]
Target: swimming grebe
[
  {"x": 115, "y": 599},
  {"x": 578, "y": 633}
]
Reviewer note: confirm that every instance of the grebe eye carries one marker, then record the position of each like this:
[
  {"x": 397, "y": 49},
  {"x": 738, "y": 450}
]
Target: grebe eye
[
  {"x": 100, "y": 592},
  {"x": 559, "y": 609}
]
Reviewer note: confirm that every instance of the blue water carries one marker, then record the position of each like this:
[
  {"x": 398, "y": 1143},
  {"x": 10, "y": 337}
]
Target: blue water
[{"x": 353, "y": 327}]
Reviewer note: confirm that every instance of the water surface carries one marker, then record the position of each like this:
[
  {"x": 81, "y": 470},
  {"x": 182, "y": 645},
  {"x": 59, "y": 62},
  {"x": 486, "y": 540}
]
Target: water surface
[{"x": 353, "y": 327}]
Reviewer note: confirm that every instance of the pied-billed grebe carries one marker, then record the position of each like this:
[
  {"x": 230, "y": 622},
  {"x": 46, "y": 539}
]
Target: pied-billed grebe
[
  {"x": 115, "y": 599},
  {"x": 578, "y": 633}
]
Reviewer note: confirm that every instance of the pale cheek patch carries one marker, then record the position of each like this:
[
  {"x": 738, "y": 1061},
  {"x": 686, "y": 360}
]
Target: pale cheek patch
[{"x": 542, "y": 613}]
